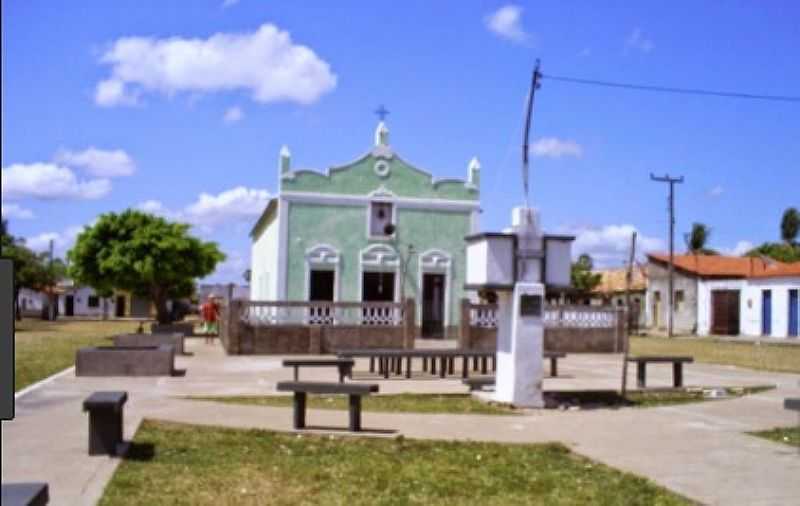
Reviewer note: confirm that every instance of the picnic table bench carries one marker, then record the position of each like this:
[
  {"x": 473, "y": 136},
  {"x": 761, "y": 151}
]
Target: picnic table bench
[
  {"x": 554, "y": 356},
  {"x": 677, "y": 368},
  {"x": 105, "y": 421},
  {"x": 344, "y": 365},
  {"x": 353, "y": 390},
  {"x": 390, "y": 361},
  {"x": 24, "y": 494}
]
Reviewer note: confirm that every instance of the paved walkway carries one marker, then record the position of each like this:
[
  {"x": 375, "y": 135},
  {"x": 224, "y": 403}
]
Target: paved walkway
[{"x": 699, "y": 450}]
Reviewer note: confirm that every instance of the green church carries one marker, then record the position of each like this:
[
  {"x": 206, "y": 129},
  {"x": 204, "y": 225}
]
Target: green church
[{"x": 376, "y": 229}]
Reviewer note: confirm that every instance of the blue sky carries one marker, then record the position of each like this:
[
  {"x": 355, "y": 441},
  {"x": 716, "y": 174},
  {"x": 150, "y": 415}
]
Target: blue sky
[{"x": 182, "y": 110}]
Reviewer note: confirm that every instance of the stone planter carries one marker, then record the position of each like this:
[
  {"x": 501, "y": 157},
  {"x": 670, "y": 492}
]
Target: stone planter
[
  {"x": 134, "y": 340},
  {"x": 127, "y": 361}
]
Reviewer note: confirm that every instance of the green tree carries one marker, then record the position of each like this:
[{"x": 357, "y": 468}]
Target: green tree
[
  {"x": 144, "y": 254},
  {"x": 696, "y": 239},
  {"x": 583, "y": 279},
  {"x": 30, "y": 270},
  {"x": 789, "y": 249},
  {"x": 790, "y": 225}
]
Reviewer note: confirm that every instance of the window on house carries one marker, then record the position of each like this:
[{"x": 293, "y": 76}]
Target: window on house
[
  {"x": 94, "y": 301},
  {"x": 657, "y": 296},
  {"x": 380, "y": 216},
  {"x": 678, "y": 299}
]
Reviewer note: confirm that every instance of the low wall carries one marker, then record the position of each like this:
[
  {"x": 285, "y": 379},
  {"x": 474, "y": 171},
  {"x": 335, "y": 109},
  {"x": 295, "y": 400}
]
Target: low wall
[
  {"x": 134, "y": 340},
  {"x": 328, "y": 334},
  {"x": 187, "y": 329},
  {"x": 568, "y": 329},
  {"x": 133, "y": 361}
]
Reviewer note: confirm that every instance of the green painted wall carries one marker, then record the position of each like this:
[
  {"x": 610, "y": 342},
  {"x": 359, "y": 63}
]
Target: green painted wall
[
  {"x": 359, "y": 178},
  {"x": 344, "y": 227}
]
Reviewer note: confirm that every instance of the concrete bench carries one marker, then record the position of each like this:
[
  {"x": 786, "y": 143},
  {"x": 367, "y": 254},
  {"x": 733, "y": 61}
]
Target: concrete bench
[
  {"x": 134, "y": 340},
  {"x": 187, "y": 329},
  {"x": 128, "y": 361},
  {"x": 477, "y": 383},
  {"x": 677, "y": 368},
  {"x": 344, "y": 365},
  {"x": 353, "y": 390},
  {"x": 24, "y": 494},
  {"x": 554, "y": 356},
  {"x": 792, "y": 404},
  {"x": 105, "y": 421}
]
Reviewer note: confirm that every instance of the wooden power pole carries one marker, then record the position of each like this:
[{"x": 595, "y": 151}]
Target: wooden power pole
[{"x": 671, "y": 295}]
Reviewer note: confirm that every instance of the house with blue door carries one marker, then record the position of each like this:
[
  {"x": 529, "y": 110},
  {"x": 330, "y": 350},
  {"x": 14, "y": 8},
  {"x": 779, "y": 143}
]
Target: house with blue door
[{"x": 750, "y": 296}]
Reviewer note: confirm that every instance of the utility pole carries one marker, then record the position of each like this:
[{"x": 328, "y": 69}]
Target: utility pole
[
  {"x": 626, "y": 346},
  {"x": 671, "y": 180},
  {"x": 535, "y": 85},
  {"x": 51, "y": 310}
]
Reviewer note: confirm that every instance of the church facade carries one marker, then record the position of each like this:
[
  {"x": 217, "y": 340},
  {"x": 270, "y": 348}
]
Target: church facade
[{"x": 376, "y": 229}]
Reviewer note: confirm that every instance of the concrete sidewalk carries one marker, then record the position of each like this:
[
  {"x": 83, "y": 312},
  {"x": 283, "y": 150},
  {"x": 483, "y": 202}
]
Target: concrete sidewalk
[{"x": 699, "y": 450}]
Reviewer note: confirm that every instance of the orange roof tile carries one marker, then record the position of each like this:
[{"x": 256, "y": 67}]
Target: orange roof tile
[{"x": 730, "y": 267}]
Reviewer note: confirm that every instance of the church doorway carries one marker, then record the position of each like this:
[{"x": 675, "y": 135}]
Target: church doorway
[{"x": 433, "y": 305}]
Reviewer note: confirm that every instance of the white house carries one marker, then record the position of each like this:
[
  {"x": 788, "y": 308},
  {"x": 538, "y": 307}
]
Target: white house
[{"x": 735, "y": 295}]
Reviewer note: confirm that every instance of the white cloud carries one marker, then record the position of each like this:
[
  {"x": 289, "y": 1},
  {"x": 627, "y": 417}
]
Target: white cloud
[
  {"x": 552, "y": 147},
  {"x": 47, "y": 181},
  {"x": 62, "y": 241},
  {"x": 610, "y": 245},
  {"x": 637, "y": 41},
  {"x": 229, "y": 3},
  {"x": 740, "y": 249},
  {"x": 716, "y": 191},
  {"x": 506, "y": 22},
  {"x": 232, "y": 115},
  {"x": 15, "y": 211},
  {"x": 208, "y": 211},
  {"x": 99, "y": 162},
  {"x": 266, "y": 62},
  {"x": 231, "y": 205}
]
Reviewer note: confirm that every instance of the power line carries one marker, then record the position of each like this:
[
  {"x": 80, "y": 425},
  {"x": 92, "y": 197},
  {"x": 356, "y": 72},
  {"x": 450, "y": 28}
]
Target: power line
[{"x": 668, "y": 89}]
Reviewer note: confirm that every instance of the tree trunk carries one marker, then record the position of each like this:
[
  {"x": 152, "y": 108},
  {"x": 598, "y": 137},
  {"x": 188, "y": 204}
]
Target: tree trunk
[{"x": 162, "y": 313}]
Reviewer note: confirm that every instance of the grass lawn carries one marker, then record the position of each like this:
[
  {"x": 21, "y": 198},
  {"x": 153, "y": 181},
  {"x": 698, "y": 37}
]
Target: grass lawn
[
  {"x": 208, "y": 465},
  {"x": 766, "y": 357},
  {"x": 466, "y": 404},
  {"x": 786, "y": 435},
  {"x": 410, "y": 403},
  {"x": 43, "y": 348}
]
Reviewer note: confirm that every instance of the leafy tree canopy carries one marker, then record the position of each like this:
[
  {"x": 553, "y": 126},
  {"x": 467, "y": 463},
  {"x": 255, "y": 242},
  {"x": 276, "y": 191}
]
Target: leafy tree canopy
[
  {"x": 31, "y": 270},
  {"x": 697, "y": 239},
  {"x": 583, "y": 279},
  {"x": 790, "y": 225},
  {"x": 789, "y": 249},
  {"x": 779, "y": 251},
  {"x": 144, "y": 254}
]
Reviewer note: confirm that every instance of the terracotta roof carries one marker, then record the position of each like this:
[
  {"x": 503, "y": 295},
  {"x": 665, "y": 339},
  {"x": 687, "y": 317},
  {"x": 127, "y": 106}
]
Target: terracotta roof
[
  {"x": 613, "y": 280},
  {"x": 720, "y": 266}
]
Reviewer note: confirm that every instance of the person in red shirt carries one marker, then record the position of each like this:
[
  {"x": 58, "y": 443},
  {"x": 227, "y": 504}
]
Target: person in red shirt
[{"x": 210, "y": 313}]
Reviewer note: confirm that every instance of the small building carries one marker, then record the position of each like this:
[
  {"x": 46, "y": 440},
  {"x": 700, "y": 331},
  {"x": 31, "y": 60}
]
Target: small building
[
  {"x": 240, "y": 292},
  {"x": 84, "y": 301},
  {"x": 31, "y": 302},
  {"x": 377, "y": 229},
  {"x": 613, "y": 288},
  {"x": 726, "y": 295}
]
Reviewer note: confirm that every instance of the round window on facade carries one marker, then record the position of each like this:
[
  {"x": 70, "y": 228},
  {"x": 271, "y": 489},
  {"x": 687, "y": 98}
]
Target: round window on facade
[{"x": 381, "y": 168}]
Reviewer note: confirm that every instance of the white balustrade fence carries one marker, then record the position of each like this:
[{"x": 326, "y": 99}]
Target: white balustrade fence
[
  {"x": 485, "y": 316},
  {"x": 268, "y": 313}
]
